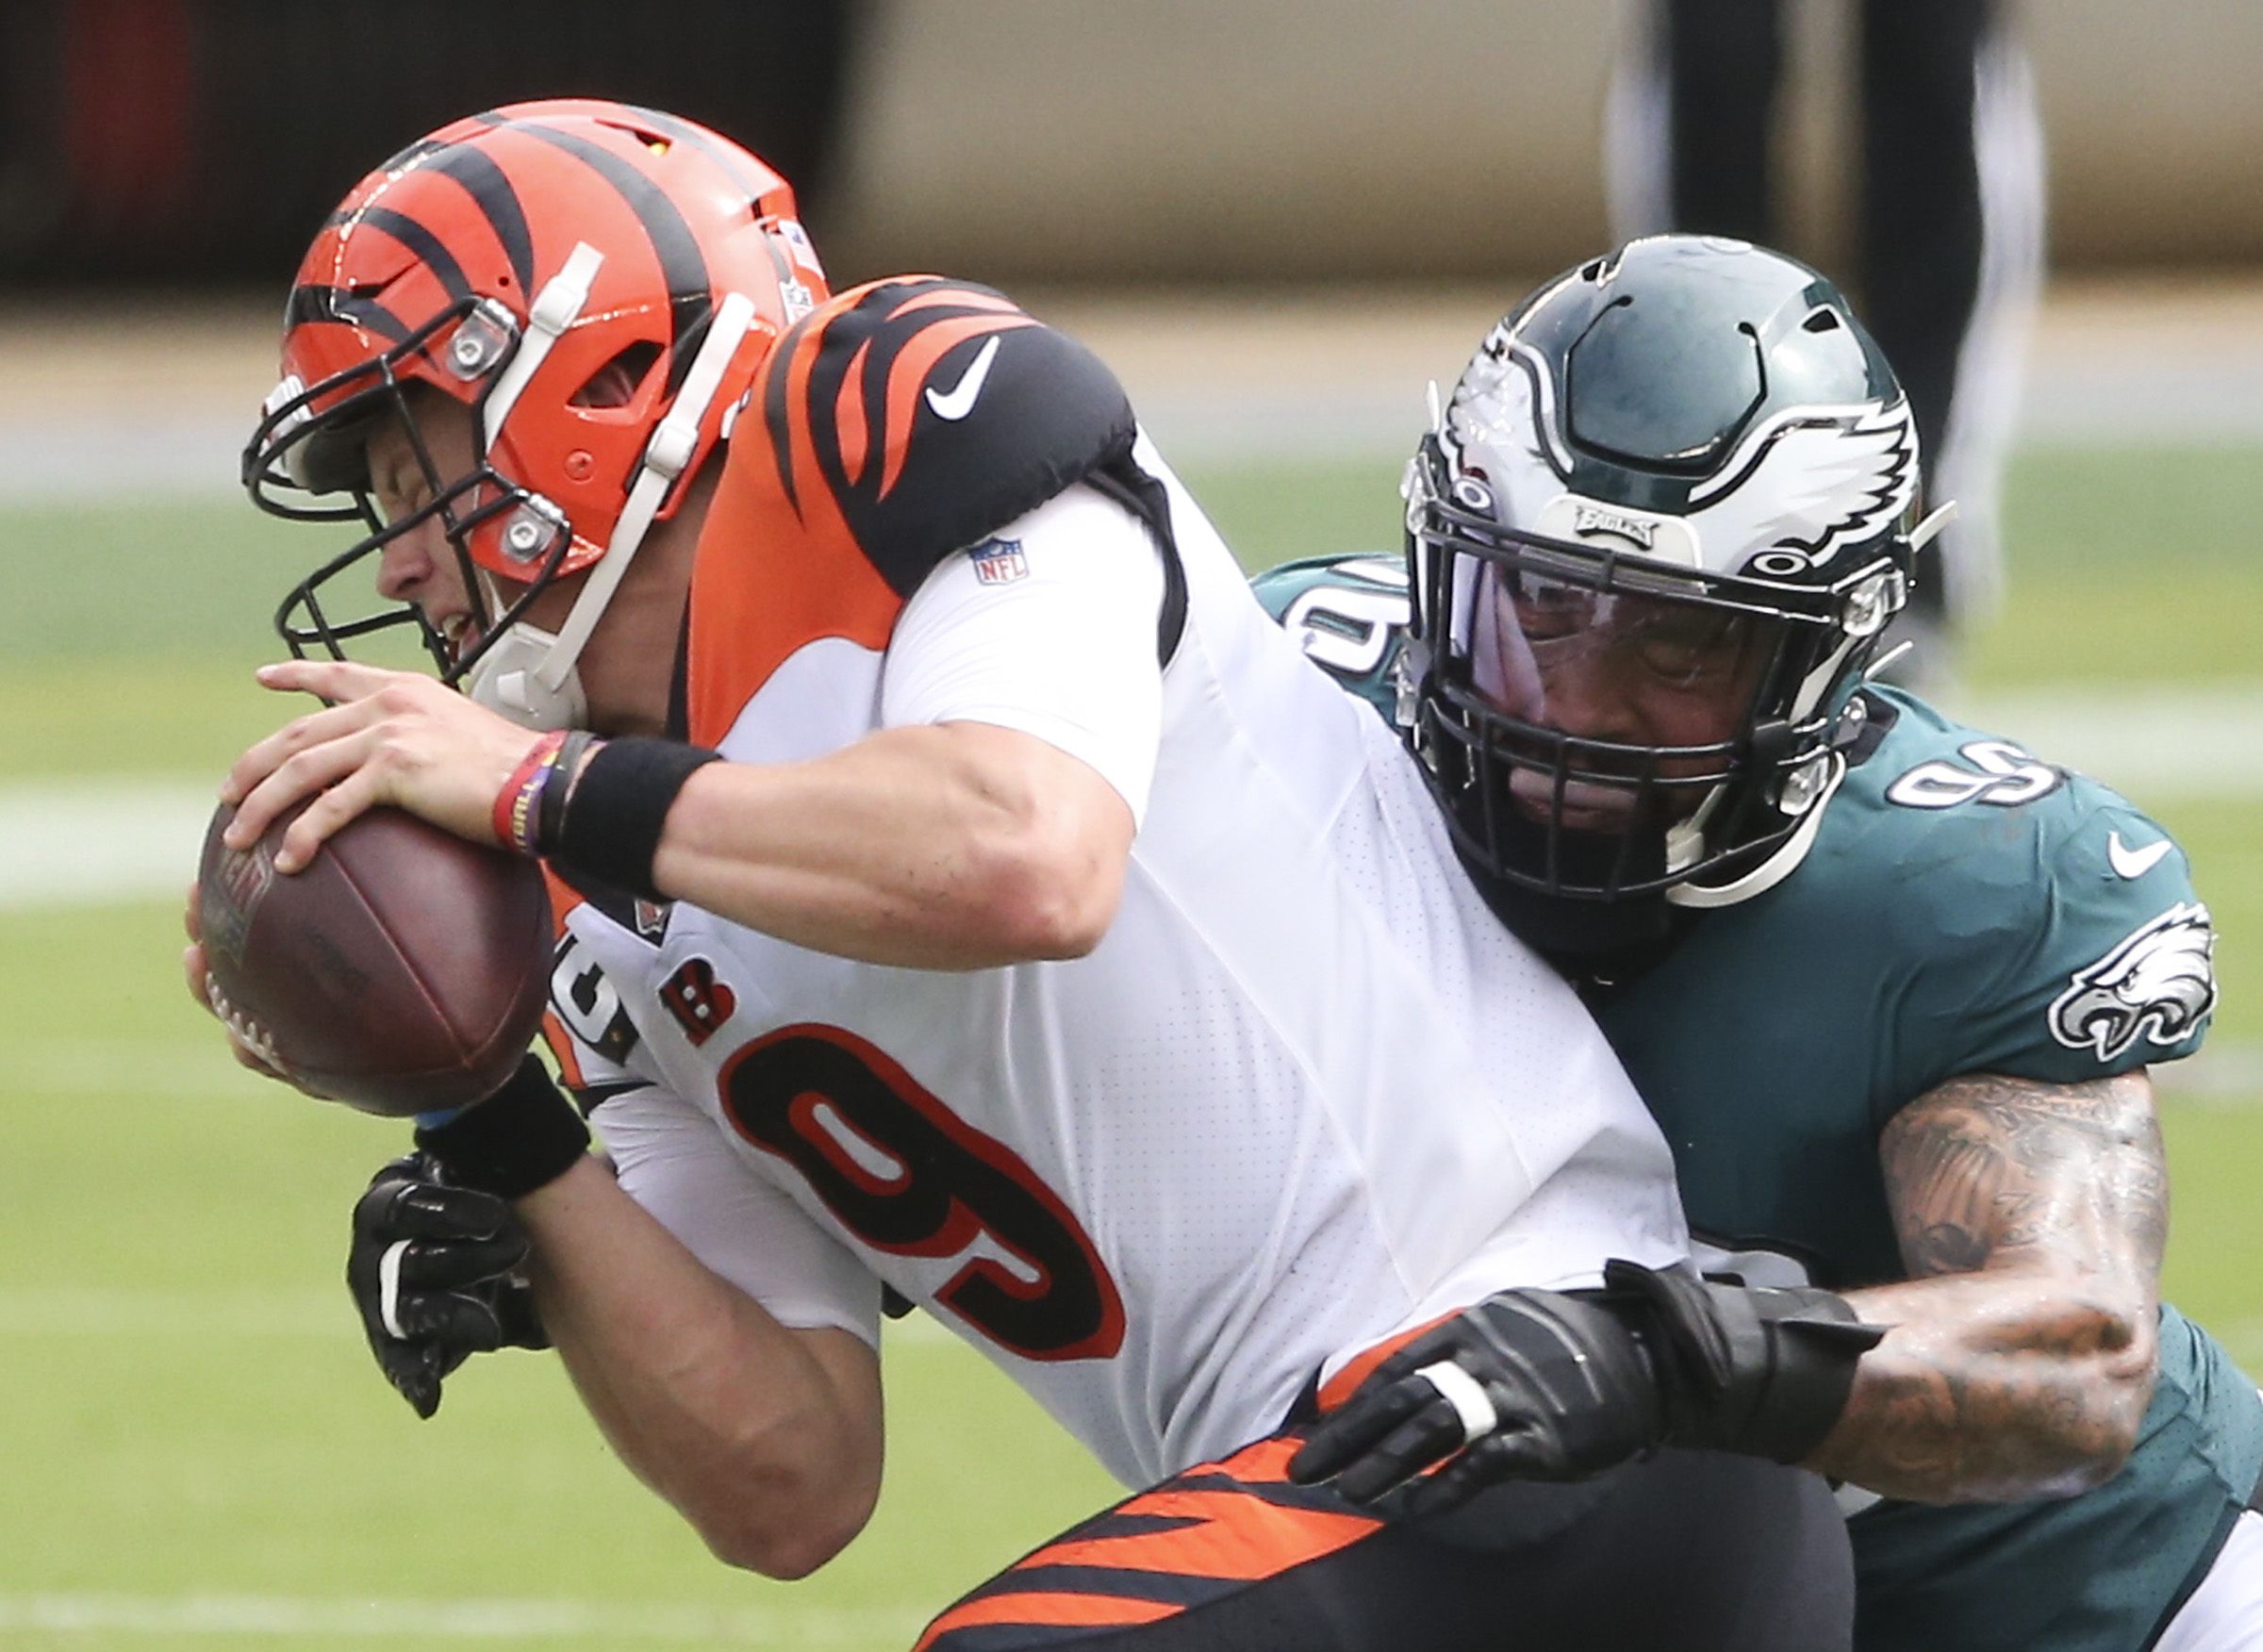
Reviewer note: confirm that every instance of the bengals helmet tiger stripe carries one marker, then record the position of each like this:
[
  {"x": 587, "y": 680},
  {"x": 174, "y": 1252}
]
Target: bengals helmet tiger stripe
[{"x": 599, "y": 284}]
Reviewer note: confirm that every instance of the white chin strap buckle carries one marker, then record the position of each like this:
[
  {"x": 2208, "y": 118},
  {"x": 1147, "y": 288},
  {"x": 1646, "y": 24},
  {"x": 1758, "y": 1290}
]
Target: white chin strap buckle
[
  {"x": 1466, "y": 1395},
  {"x": 508, "y": 681}
]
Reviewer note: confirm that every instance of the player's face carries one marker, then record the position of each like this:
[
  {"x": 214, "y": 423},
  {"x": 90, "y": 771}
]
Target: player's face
[
  {"x": 1611, "y": 666},
  {"x": 421, "y": 564}
]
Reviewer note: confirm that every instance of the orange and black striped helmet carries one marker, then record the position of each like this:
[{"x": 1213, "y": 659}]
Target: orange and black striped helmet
[{"x": 597, "y": 283}]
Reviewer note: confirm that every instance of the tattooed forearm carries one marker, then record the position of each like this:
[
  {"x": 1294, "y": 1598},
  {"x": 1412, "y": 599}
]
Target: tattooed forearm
[
  {"x": 2032, "y": 1219},
  {"x": 1992, "y": 1388}
]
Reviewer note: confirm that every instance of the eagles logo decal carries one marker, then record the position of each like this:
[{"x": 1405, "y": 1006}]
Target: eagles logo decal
[
  {"x": 1808, "y": 481},
  {"x": 2155, "y": 984},
  {"x": 1810, "y": 478}
]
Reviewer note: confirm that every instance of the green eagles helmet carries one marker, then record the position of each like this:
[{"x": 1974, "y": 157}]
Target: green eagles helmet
[{"x": 1652, "y": 542}]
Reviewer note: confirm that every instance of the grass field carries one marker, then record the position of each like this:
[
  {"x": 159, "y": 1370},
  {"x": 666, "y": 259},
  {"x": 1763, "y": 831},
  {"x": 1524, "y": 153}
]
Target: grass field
[{"x": 195, "y": 1450}]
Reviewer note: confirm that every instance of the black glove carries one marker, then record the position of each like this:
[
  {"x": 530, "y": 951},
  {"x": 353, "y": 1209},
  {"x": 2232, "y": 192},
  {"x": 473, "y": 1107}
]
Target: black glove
[
  {"x": 433, "y": 1269},
  {"x": 1553, "y": 1386},
  {"x": 1569, "y": 1390}
]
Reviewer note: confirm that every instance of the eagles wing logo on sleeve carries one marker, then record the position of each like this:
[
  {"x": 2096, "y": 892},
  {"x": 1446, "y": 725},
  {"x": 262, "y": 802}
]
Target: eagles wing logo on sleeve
[{"x": 2157, "y": 984}]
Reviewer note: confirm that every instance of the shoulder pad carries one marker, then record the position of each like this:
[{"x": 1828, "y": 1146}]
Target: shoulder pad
[
  {"x": 2045, "y": 927},
  {"x": 1912, "y": 758},
  {"x": 933, "y": 412},
  {"x": 1351, "y": 571}
]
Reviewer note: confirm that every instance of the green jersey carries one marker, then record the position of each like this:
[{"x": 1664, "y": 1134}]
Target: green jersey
[{"x": 1965, "y": 907}]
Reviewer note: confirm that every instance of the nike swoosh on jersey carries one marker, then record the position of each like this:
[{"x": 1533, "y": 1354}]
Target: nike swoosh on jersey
[
  {"x": 2133, "y": 862},
  {"x": 957, "y": 402}
]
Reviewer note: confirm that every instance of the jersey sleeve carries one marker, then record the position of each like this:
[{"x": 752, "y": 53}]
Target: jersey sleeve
[
  {"x": 669, "y": 1160},
  {"x": 1348, "y": 614},
  {"x": 2071, "y": 950},
  {"x": 1049, "y": 627}
]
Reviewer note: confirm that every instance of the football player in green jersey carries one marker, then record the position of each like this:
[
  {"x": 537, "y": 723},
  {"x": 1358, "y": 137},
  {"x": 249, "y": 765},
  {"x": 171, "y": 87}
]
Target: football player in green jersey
[{"x": 1890, "y": 984}]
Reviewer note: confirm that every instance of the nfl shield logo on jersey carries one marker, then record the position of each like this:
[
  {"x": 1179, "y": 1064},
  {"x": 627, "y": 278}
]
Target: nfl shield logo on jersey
[{"x": 999, "y": 561}]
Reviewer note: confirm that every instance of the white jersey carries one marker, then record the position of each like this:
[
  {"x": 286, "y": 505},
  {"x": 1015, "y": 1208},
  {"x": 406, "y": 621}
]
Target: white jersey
[{"x": 1305, "y": 1094}]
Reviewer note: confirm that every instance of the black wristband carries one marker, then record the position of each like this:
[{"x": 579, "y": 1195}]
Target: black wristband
[
  {"x": 557, "y": 783},
  {"x": 616, "y": 808},
  {"x": 524, "y": 1136}
]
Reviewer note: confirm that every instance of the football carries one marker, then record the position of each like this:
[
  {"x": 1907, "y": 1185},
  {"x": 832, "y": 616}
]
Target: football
[{"x": 401, "y": 970}]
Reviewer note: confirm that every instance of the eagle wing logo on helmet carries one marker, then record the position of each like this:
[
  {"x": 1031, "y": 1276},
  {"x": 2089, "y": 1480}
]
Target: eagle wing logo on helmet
[
  {"x": 2157, "y": 984},
  {"x": 1810, "y": 481},
  {"x": 1505, "y": 409}
]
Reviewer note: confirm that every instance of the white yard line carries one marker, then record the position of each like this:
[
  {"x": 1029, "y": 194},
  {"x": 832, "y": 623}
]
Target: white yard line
[
  {"x": 192, "y": 455},
  {"x": 52, "y": 1068},
  {"x": 2152, "y": 742},
  {"x": 314, "y": 1621},
  {"x": 71, "y": 843},
  {"x": 2225, "y": 1077}
]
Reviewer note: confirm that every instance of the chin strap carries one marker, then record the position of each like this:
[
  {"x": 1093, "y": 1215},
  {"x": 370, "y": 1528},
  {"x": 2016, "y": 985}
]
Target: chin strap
[
  {"x": 1776, "y": 868},
  {"x": 529, "y": 675},
  {"x": 556, "y": 307},
  {"x": 503, "y": 682}
]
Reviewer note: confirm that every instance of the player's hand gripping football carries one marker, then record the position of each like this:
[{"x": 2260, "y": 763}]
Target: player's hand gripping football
[
  {"x": 394, "y": 738},
  {"x": 1553, "y": 1386},
  {"x": 433, "y": 1273}
]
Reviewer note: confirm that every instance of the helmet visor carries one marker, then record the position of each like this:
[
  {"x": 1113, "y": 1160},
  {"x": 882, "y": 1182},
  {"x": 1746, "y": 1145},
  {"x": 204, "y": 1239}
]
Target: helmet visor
[
  {"x": 1601, "y": 723},
  {"x": 1623, "y": 706}
]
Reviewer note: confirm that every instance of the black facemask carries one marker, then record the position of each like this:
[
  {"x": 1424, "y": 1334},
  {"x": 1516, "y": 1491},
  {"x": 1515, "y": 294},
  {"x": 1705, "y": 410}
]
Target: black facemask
[{"x": 1582, "y": 938}]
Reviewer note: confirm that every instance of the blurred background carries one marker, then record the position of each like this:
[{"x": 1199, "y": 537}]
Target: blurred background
[{"x": 1279, "y": 221}]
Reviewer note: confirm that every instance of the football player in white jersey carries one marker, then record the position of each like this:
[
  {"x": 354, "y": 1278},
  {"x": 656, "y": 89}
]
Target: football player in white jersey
[{"x": 964, "y": 891}]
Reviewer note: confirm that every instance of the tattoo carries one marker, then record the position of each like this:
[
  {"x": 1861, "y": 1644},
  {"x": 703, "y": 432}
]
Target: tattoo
[
  {"x": 2032, "y": 1219},
  {"x": 1984, "y": 1169}
]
